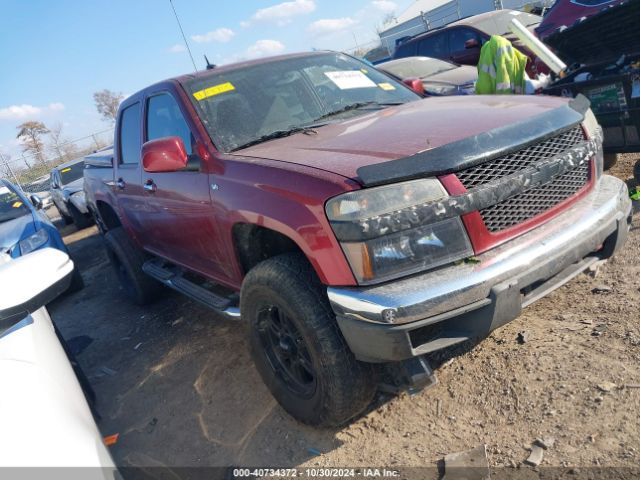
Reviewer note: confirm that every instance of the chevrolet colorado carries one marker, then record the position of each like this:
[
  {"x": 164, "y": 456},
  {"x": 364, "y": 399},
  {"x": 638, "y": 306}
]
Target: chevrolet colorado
[{"x": 355, "y": 225}]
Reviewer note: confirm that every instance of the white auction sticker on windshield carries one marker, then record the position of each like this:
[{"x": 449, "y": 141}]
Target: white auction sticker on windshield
[
  {"x": 348, "y": 79},
  {"x": 4, "y": 190}
]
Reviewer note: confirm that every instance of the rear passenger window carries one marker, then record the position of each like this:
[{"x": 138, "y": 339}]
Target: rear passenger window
[
  {"x": 434, "y": 46},
  {"x": 130, "y": 137},
  {"x": 164, "y": 119},
  {"x": 406, "y": 50},
  {"x": 458, "y": 37}
]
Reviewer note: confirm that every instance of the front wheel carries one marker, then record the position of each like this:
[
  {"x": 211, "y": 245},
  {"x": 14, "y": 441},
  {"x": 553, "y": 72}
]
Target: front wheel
[
  {"x": 297, "y": 346},
  {"x": 81, "y": 220}
]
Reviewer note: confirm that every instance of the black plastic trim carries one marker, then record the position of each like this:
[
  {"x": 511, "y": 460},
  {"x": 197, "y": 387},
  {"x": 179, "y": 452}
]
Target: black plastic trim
[{"x": 477, "y": 149}]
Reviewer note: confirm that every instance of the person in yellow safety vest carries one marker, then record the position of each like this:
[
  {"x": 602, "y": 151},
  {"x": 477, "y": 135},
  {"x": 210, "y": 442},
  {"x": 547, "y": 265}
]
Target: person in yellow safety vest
[{"x": 501, "y": 68}]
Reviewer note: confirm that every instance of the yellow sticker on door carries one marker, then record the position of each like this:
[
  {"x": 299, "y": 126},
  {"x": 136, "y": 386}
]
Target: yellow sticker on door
[
  {"x": 65, "y": 170},
  {"x": 213, "y": 91}
]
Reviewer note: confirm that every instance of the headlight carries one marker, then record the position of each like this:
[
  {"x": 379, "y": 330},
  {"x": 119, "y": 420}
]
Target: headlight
[
  {"x": 594, "y": 131},
  {"x": 383, "y": 235},
  {"x": 33, "y": 242},
  {"x": 435, "y": 89}
]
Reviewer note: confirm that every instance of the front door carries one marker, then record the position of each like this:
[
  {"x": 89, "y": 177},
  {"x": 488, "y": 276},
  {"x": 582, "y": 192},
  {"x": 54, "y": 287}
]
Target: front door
[{"x": 179, "y": 203}]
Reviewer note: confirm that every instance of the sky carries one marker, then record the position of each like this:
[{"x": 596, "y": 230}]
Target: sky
[{"x": 56, "y": 54}]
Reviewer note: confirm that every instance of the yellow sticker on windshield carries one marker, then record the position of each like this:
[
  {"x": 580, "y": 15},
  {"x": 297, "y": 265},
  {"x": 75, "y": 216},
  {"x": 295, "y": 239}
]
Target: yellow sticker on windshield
[
  {"x": 65, "y": 170},
  {"x": 386, "y": 86},
  {"x": 213, "y": 91},
  {"x": 17, "y": 204},
  {"x": 364, "y": 70}
]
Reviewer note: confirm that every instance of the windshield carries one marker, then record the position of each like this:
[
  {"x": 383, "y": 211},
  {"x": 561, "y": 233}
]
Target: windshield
[
  {"x": 249, "y": 105},
  {"x": 11, "y": 205},
  {"x": 419, "y": 67},
  {"x": 71, "y": 173}
]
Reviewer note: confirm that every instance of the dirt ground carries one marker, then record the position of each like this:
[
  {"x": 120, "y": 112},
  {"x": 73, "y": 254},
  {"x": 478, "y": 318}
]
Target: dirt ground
[{"x": 177, "y": 383}]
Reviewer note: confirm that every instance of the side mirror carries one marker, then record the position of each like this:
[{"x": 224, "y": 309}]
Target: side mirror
[
  {"x": 36, "y": 201},
  {"x": 415, "y": 84},
  {"x": 471, "y": 43},
  {"x": 164, "y": 155},
  {"x": 30, "y": 282}
]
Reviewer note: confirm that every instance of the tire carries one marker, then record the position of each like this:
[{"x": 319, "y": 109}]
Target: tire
[
  {"x": 65, "y": 218},
  {"x": 81, "y": 221},
  {"x": 332, "y": 387},
  {"x": 127, "y": 260},
  {"x": 610, "y": 159},
  {"x": 77, "y": 283}
]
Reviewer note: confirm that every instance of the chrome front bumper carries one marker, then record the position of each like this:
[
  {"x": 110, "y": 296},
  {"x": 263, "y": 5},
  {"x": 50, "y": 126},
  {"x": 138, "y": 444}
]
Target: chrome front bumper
[{"x": 452, "y": 304}]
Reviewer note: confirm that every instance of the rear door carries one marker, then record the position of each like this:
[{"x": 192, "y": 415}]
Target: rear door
[
  {"x": 458, "y": 52},
  {"x": 179, "y": 215},
  {"x": 127, "y": 168}
]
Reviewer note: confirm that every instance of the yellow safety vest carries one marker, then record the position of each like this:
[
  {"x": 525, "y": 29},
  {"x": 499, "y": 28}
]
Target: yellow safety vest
[{"x": 501, "y": 69}]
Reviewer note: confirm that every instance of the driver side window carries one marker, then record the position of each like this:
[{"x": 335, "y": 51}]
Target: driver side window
[{"x": 164, "y": 119}]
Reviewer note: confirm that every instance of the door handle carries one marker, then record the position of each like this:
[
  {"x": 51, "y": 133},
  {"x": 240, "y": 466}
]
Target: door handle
[
  {"x": 150, "y": 186},
  {"x": 120, "y": 184}
]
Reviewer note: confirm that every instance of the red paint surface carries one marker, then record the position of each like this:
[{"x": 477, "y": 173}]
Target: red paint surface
[
  {"x": 164, "y": 155},
  {"x": 566, "y": 13}
]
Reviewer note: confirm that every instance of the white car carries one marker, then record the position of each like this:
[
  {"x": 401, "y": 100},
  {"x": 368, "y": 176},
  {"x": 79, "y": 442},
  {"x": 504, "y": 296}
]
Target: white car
[{"x": 45, "y": 420}]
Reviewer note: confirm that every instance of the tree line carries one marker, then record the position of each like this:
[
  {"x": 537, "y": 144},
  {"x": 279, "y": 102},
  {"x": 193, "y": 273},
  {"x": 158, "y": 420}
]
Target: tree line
[{"x": 35, "y": 136}]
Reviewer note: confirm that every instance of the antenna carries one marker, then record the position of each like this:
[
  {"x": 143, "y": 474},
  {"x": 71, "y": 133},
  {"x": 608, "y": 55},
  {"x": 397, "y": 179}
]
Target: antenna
[
  {"x": 183, "y": 36},
  {"x": 210, "y": 66}
]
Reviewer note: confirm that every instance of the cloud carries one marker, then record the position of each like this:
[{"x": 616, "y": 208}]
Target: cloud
[
  {"x": 282, "y": 13},
  {"x": 385, "y": 6},
  {"x": 264, "y": 48},
  {"x": 220, "y": 35},
  {"x": 330, "y": 25},
  {"x": 56, "y": 106},
  {"x": 24, "y": 111},
  {"x": 177, "y": 48}
]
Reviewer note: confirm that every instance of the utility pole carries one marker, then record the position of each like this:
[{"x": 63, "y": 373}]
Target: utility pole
[{"x": 5, "y": 162}]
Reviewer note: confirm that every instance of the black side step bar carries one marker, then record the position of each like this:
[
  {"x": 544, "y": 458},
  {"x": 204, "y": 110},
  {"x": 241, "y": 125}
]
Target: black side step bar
[{"x": 173, "y": 277}]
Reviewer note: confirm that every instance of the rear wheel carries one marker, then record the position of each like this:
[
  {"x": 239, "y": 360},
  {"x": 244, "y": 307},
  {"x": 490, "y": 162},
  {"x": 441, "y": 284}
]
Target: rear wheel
[
  {"x": 127, "y": 260},
  {"x": 610, "y": 159},
  {"x": 297, "y": 346}
]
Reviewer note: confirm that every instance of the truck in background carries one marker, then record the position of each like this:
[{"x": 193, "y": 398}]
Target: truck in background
[{"x": 425, "y": 15}]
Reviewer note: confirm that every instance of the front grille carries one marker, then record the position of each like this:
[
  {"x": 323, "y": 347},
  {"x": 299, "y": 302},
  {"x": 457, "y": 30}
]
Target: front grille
[
  {"x": 517, "y": 161},
  {"x": 528, "y": 204},
  {"x": 533, "y": 202}
]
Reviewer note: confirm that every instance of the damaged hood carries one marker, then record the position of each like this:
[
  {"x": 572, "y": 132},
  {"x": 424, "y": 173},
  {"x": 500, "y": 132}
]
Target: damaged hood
[
  {"x": 411, "y": 129},
  {"x": 603, "y": 37},
  {"x": 75, "y": 186}
]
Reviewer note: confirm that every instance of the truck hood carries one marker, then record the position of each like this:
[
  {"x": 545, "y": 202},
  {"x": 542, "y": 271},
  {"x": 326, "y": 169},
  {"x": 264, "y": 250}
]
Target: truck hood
[
  {"x": 75, "y": 186},
  {"x": 398, "y": 132},
  {"x": 13, "y": 231}
]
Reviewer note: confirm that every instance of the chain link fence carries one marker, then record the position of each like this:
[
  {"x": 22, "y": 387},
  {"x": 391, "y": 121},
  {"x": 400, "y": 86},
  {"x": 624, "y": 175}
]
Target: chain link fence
[{"x": 30, "y": 171}]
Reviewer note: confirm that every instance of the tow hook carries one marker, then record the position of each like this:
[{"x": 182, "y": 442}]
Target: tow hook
[{"x": 412, "y": 375}]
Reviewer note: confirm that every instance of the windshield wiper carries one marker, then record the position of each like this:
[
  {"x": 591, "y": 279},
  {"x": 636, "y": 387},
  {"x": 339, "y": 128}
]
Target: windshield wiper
[
  {"x": 357, "y": 106},
  {"x": 308, "y": 129}
]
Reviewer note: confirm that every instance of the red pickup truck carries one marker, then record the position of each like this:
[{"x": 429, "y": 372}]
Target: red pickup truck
[{"x": 355, "y": 225}]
